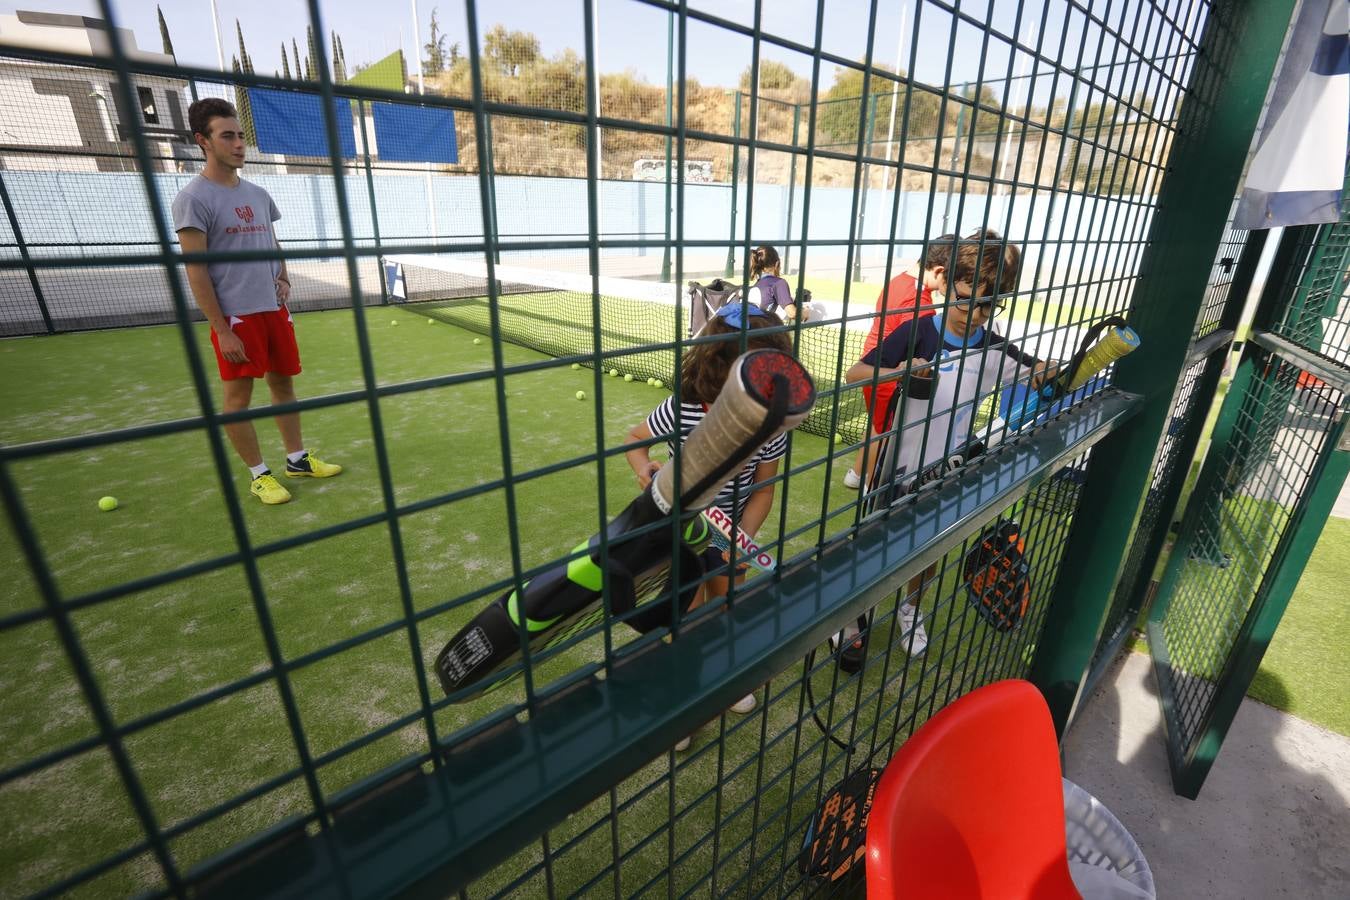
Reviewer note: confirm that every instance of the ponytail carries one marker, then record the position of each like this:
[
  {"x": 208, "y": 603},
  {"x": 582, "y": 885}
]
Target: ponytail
[{"x": 762, "y": 259}]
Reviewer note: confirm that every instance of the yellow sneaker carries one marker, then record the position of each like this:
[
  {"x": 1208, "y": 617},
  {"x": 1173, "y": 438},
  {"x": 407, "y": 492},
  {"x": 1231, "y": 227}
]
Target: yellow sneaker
[
  {"x": 310, "y": 466},
  {"x": 267, "y": 489}
]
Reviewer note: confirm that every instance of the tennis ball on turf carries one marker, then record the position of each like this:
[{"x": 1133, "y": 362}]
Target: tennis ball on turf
[
  {"x": 613, "y": 373},
  {"x": 838, "y": 438},
  {"x": 581, "y": 395},
  {"x": 651, "y": 381},
  {"x": 107, "y": 504},
  {"x": 628, "y": 378},
  {"x": 394, "y": 322},
  {"x": 656, "y": 383},
  {"x": 431, "y": 321},
  {"x": 478, "y": 340},
  {"x": 576, "y": 365}
]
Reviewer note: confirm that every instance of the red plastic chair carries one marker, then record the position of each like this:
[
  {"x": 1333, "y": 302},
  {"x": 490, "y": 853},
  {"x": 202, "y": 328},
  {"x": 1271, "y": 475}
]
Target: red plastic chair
[{"x": 972, "y": 805}]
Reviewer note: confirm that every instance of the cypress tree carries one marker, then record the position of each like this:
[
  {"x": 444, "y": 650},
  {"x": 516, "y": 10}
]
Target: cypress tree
[
  {"x": 244, "y": 63},
  {"x": 242, "y": 106},
  {"x": 295, "y": 49},
  {"x": 164, "y": 34},
  {"x": 285, "y": 63}
]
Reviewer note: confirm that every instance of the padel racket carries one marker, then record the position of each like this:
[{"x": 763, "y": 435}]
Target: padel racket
[
  {"x": 836, "y": 839},
  {"x": 766, "y": 393},
  {"x": 998, "y": 578},
  {"x": 1095, "y": 352}
]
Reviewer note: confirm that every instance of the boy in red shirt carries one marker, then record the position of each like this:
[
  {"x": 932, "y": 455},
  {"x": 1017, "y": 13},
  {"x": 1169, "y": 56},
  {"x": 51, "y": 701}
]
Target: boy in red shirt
[{"x": 900, "y": 301}]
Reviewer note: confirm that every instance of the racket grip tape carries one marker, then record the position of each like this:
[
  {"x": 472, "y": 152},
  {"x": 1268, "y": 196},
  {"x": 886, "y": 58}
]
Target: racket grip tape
[
  {"x": 1118, "y": 342},
  {"x": 736, "y": 426}
]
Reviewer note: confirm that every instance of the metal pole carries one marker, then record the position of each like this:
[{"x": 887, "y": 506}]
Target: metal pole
[
  {"x": 594, "y": 12},
  {"x": 670, "y": 110},
  {"x": 23, "y": 253},
  {"x": 370, "y": 193},
  {"x": 866, "y": 185},
  {"x": 735, "y": 174},
  {"x": 895, "y": 98},
  {"x": 215, "y": 26},
  {"x": 792, "y": 187},
  {"x": 956, "y": 151}
]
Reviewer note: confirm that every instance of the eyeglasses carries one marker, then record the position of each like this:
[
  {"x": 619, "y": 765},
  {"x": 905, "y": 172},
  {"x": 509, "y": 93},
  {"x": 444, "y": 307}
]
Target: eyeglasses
[
  {"x": 733, "y": 314},
  {"x": 993, "y": 305}
]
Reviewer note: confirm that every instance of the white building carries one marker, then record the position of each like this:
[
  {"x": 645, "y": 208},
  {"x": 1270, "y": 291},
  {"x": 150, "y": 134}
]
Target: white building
[{"x": 64, "y": 117}]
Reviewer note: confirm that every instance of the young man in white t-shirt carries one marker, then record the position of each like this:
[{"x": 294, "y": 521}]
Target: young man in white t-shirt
[{"x": 245, "y": 300}]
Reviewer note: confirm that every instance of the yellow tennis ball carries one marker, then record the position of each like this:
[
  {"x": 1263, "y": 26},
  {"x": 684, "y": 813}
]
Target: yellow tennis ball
[
  {"x": 576, "y": 365},
  {"x": 656, "y": 383},
  {"x": 651, "y": 381},
  {"x": 394, "y": 323},
  {"x": 581, "y": 395},
  {"x": 613, "y": 373},
  {"x": 478, "y": 340},
  {"x": 838, "y": 438},
  {"x": 107, "y": 504},
  {"x": 431, "y": 321},
  {"x": 628, "y": 378}
]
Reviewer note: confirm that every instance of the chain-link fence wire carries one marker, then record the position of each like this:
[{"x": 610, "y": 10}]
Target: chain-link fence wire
[{"x": 163, "y": 639}]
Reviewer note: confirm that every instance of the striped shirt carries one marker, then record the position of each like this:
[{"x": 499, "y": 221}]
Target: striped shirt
[{"x": 661, "y": 423}]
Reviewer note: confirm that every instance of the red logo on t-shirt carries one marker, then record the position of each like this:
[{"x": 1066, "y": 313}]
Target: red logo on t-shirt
[{"x": 244, "y": 212}]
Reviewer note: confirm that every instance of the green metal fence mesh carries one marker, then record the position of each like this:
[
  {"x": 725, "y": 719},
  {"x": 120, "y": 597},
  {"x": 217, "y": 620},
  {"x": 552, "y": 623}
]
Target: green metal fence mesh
[{"x": 205, "y": 697}]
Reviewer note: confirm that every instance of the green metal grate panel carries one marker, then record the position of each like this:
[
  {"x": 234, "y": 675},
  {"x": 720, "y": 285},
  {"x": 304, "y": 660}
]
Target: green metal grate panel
[{"x": 296, "y": 724}]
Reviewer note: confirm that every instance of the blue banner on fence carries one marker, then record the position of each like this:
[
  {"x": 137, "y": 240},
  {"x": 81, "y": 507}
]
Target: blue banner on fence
[
  {"x": 292, "y": 122},
  {"x": 414, "y": 133}
]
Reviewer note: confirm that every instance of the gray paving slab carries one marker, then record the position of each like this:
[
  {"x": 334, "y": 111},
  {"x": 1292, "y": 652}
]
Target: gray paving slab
[{"x": 1273, "y": 819}]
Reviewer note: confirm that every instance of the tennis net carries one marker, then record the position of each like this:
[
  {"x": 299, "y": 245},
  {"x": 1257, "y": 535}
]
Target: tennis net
[{"x": 638, "y": 322}]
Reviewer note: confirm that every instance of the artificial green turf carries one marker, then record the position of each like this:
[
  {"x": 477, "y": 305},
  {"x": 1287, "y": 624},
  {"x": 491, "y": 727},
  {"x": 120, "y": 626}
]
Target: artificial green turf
[
  {"x": 170, "y": 643},
  {"x": 1306, "y": 669}
]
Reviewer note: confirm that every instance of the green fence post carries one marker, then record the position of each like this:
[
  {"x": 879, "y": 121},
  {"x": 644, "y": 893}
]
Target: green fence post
[
  {"x": 670, "y": 110},
  {"x": 23, "y": 254},
  {"x": 735, "y": 174},
  {"x": 956, "y": 150},
  {"x": 866, "y": 183},
  {"x": 792, "y": 188},
  {"x": 490, "y": 167},
  {"x": 1223, "y": 103},
  {"x": 370, "y": 193}
]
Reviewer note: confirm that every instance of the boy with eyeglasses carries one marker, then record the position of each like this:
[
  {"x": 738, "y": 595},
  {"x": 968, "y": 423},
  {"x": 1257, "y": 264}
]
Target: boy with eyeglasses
[{"x": 945, "y": 364}]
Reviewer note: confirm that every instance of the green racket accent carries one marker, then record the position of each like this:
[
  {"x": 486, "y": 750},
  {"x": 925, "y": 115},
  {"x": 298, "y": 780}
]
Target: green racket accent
[
  {"x": 583, "y": 570},
  {"x": 697, "y": 533},
  {"x": 513, "y": 610}
]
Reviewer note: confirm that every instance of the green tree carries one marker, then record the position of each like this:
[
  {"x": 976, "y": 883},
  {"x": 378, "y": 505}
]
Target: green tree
[
  {"x": 311, "y": 55},
  {"x": 285, "y": 63},
  {"x": 435, "y": 48},
  {"x": 164, "y": 34},
  {"x": 339, "y": 67},
  {"x": 508, "y": 52},
  {"x": 773, "y": 76},
  {"x": 839, "y": 107},
  {"x": 244, "y": 63},
  {"x": 295, "y": 51},
  {"x": 244, "y": 108}
]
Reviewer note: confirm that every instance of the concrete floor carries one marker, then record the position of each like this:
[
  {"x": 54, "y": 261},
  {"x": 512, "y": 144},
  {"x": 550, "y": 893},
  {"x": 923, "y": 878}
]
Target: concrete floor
[{"x": 1273, "y": 818}]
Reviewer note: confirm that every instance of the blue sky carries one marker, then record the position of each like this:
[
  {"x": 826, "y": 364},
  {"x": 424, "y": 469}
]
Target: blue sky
[{"x": 632, "y": 36}]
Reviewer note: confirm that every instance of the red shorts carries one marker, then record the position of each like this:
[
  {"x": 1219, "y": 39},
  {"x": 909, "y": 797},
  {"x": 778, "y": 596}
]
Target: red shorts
[
  {"x": 880, "y": 405},
  {"x": 269, "y": 343}
]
